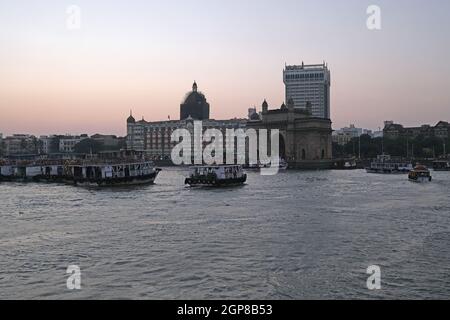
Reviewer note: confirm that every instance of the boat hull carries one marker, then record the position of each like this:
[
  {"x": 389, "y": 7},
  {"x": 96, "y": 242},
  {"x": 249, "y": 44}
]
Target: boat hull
[
  {"x": 117, "y": 182},
  {"x": 193, "y": 182},
  {"x": 421, "y": 179},
  {"x": 384, "y": 171}
]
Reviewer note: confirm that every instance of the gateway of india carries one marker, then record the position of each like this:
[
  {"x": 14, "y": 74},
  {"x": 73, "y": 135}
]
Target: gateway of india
[{"x": 305, "y": 140}]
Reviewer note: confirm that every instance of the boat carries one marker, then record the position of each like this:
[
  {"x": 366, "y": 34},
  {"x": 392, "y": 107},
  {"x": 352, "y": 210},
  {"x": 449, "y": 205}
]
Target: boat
[
  {"x": 385, "y": 165},
  {"x": 441, "y": 165},
  {"x": 420, "y": 173},
  {"x": 221, "y": 175},
  {"x": 282, "y": 165},
  {"x": 95, "y": 172},
  {"x": 345, "y": 164},
  {"x": 113, "y": 174}
]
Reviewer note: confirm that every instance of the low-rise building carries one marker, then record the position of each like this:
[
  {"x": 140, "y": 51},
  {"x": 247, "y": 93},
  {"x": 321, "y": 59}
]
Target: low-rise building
[
  {"x": 346, "y": 134},
  {"x": 109, "y": 142},
  {"x": 47, "y": 144},
  {"x": 67, "y": 143},
  {"x": 20, "y": 144},
  {"x": 394, "y": 130}
]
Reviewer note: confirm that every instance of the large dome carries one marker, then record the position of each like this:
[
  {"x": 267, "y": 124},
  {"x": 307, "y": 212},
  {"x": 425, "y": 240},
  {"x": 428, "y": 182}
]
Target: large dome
[
  {"x": 194, "y": 105},
  {"x": 194, "y": 97}
]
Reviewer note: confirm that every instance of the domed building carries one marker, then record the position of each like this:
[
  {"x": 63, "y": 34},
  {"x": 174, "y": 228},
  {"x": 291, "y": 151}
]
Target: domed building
[
  {"x": 131, "y": 119},
  {"x": 194, "y": 105}
]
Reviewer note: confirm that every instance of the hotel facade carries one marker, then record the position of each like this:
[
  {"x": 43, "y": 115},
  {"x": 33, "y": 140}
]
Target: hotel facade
[{"x": 154, "y": 137}]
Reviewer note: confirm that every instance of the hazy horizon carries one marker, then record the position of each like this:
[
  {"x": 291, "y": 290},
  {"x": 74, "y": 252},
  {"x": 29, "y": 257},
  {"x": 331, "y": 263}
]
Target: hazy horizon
[{"x": 145, "y": 55}]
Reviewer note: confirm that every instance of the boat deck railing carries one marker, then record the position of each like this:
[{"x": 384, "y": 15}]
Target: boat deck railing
[{"x": 83, "y": 162}]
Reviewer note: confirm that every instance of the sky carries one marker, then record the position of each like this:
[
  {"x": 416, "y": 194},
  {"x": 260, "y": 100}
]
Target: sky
[{"x": 145, "y": 55}]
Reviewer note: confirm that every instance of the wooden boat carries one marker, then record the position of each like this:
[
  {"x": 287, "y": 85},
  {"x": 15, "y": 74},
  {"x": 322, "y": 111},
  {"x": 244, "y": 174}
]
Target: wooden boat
[{"x": 420, "y": 174}]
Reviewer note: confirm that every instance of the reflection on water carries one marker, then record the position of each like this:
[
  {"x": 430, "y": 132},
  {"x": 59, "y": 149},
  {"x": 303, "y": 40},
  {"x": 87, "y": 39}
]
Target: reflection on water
[{"x": 290, "y": 236}]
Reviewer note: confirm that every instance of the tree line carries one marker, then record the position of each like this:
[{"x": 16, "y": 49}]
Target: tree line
[{"x": 418, "y": 147}]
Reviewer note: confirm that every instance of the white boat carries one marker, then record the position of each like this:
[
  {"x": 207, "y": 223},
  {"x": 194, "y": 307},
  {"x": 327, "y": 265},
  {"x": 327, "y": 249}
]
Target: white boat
[
  {"x": 385, "y": 165},
  {"x": 420, "y": 174},
  {"x": 282, "y": 165},
  {"x": 217, "y": 176}
]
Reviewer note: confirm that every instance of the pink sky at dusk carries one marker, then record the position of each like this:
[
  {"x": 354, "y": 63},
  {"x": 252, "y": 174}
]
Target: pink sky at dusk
[{"x": 145, "y": 55}]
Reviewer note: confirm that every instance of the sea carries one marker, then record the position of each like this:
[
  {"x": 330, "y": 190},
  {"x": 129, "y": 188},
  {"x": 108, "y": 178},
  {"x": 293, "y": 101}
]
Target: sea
[{"x": 294, "y": 235}]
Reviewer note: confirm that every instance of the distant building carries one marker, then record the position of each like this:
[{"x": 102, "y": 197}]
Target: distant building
[
  {"x": 67, "y": 143},
  {"x": 109, "y": 142},
  {"x": 345, "y": 135},
  {"x": 309, "y": 87},
  {"x": 194, "y": 105},
  {"x": 393, "y": 130},
  {"x": 20, "y": 144},
  {"x": 253, "y": 115},
  {"x": 1, "y": 145},
  {"x": 47, "y": 144}
]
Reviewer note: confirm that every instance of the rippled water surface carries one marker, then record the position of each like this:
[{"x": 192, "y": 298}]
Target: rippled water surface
[{"x": 296, "y": 235}]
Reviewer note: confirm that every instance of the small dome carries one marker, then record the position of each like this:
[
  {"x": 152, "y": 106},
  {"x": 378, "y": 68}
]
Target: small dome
[
  {"x": 130, "y": 119},
  {"x": 264, "y": 104},
  {"x": 283, "y": 107}
]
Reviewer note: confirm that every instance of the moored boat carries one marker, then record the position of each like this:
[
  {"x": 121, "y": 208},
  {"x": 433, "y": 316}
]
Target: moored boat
[
  {"x": 385, "y": 165},
  {"x": 420, "y": 173},
  {"x": 441, "y": 165},
  {"x": 282, "y": 165},
  {"x": 94, "y": 172},
  {"x": 217, "y": 176}
]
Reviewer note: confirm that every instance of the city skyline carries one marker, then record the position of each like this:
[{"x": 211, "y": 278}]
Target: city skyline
[{"x": 144, "y": 56}]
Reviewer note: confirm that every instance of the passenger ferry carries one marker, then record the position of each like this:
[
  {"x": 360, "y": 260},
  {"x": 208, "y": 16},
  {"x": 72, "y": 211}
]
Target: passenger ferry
[
  {"x": 420, "y": 174},
  {"x": 441, "y": 165},
  {"x": 385, "y": 165},
  {"x": 32, "y": 171},
  {"x": 222, "y": 175},
  {"x": 114, "y": 174},
  {"x": 120, "y": 172}
]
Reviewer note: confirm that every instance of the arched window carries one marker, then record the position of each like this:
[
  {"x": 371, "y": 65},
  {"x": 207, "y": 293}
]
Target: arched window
[
  {"x": 303, "y": 154},
  {"x": 323, "y": 154}
]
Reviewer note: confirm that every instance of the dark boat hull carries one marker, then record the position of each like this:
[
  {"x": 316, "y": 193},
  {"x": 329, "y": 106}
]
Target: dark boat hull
[
  {"x": 193, "y": 182},
  {"x": 383, "y": 171},
  {"x": 113, "y": 182}
]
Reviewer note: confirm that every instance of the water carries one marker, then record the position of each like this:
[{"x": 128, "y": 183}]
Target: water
[{"x": 296, "y": 235}]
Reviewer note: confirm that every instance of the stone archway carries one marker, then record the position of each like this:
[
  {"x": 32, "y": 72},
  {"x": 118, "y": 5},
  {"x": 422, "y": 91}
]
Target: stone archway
[{"x": 282, "y": 147}]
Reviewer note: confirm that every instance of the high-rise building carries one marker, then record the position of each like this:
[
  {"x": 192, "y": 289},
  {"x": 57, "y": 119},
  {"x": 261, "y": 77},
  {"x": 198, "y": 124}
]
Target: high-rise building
[{"x": 309, "y": 87}]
